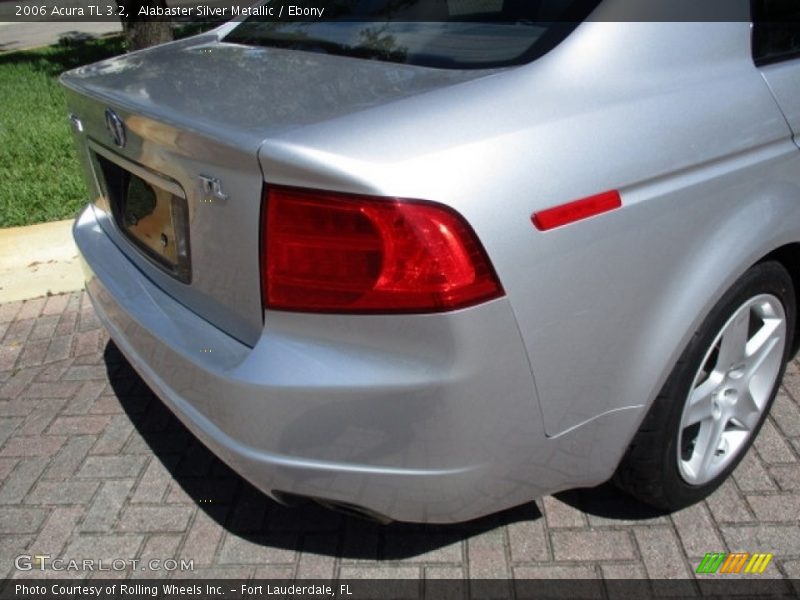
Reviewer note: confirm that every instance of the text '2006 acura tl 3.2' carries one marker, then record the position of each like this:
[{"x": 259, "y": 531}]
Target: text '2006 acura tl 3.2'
[{"x": 426, "y": 269}]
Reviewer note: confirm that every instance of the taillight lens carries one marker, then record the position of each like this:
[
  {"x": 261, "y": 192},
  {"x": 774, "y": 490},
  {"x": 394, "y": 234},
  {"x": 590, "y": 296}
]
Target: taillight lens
[{"x": 332, "y": 252}]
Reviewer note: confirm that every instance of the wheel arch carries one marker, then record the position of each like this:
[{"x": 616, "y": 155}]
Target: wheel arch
[{"x": 788, "y": 256}]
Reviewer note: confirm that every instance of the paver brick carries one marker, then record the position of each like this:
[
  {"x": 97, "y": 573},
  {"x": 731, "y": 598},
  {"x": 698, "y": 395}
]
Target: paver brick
[
  {"x": 69, "y": 457},
  {"x": 39, "y": 445},
  {"x": 424, "y": 547},
  {"x": 16, "y": 519},
  {"x": 107, "y": 404},
  {"x": 203, "y": 538},
  {"x": 66, "y": 323},
  {"x": 487, "y": 556},
  {"x": 63, "y": 492},
  {"x": 771, "y": 447},
  {"x": 87, "y": 342},
  {"x": 727, "y": 505},
  {"x": 259, "y": 550},
  {"x": 792, "y": 568},
  {"x": 560, "y": 514},
  {"x": 379, "y": 572},
  {"x": 19, "y": 482},
  {"x": 44, "y": 328},
  {"x": 661, "y": 552},
  {"x": 625, "y": 582},
  {"x": 782, "y": 540},
  {"x": 7, "y": 428},
  {"x": 34, "y": 354},
  {"x": 61, "y": 389},
  {"x": 105, "y": 507},
  {"x": 318, "y": 566},
  {"x": 159, "y": 547},
  {"x": 105, "y": 547},
  {"x": 696, "y": 530},
  {"x": 86, "y": 373},
  {"x": 59, "y": 348},
  {"x": 787, "y": 476},
  {"x": 783, "y": 507},
  {"x": 115, "y": 434},
  {"x": 786, "y": 414},
  {"x": 13, "y": 387},
  {"x": 92, "y": 465},
  {"x": 8, "y": 311},
  {"x": 155, "y": 518},
  {"x": 84, "y": 398},
  {"x": 57, "y": 531},
  {"x": 752, "y": 476},
  {"x": 17, "y": 333},
  {"x": 528, "y": 541},
  {"x": 8, "y": 356},
  {"x": 55, "y": 304},
  {"x": 74, "y": 425},
  {"x": 591, "y": 545},
  {"x": 40, "y": 417},
  {"x": 6, "y": 466}
]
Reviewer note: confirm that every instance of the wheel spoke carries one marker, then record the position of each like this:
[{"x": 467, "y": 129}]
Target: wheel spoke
[
  {"x": 761, "y": 347},
  {"x": 709, "y": 450},
  {"x": 734, "y": 341},
  {"x": 746, "y": 411},
  {"x": 700, "y": 403}
]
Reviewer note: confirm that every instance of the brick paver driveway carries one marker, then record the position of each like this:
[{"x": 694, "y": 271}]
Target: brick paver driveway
[{"x": 93, "y": 465}]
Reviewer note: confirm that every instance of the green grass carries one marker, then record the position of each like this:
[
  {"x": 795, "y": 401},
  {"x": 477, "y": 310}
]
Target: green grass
[{"x": 40, "y": 179}]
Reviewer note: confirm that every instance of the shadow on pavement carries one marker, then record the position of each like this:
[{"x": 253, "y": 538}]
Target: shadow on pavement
[{"x": 608, "y": 501}]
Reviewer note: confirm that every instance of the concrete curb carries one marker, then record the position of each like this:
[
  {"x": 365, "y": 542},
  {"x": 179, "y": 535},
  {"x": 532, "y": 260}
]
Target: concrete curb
[{"x": 38, "y": 260}]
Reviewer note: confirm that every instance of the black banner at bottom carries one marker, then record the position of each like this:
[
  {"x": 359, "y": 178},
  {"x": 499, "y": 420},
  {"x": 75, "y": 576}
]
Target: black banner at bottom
[{"x": 394, "y": 589}]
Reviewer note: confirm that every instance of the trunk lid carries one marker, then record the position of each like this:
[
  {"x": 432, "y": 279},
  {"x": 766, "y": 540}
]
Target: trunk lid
[{"x": 194, "y": 115}]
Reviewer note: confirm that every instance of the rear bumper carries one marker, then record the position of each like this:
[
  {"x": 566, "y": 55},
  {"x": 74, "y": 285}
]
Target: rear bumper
[{"x": 418, "y": 418}]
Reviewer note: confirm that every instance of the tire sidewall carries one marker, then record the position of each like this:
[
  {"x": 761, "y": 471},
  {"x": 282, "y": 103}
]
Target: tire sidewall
[{"x": 764, "y": 278}]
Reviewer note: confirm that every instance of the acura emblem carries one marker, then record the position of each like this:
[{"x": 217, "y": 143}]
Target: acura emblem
[{"x": 116, "y": 128}]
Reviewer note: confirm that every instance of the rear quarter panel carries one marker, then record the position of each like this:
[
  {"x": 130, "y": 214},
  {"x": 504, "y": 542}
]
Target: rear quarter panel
[{"x": 674, "y": 115}]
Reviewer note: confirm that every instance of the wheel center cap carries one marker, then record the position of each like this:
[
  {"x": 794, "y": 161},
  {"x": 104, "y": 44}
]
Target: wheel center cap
[{"x": 730, "y": 396}]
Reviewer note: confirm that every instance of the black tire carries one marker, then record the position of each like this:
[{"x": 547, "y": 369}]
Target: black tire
[{"x": 651, "y": 470}]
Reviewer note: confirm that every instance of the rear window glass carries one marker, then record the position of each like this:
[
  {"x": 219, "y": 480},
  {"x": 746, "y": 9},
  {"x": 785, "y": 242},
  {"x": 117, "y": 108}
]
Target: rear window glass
[
  {"x": 776, "y": 30},
  {"x": 457, "y": 34}
]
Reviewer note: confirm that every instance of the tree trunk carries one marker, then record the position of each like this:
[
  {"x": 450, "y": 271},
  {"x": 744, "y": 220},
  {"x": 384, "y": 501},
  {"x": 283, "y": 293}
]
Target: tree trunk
[{"x": 142, "y": 31}]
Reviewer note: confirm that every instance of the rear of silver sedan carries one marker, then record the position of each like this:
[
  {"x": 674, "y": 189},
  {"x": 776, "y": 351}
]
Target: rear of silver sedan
[
  {"x": 386, "y": 403},
  {"x": 326, "y": 266}
]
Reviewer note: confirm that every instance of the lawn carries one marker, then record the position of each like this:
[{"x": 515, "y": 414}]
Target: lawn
[{"x": 40, "y": 178}]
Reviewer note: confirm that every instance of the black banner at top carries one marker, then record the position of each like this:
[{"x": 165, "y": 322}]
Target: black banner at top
[{"x": 506, "y": 11}]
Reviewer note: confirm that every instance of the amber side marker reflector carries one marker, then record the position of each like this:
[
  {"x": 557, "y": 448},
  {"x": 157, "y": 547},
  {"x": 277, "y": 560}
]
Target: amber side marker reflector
[{"x": 570, "y": 212}]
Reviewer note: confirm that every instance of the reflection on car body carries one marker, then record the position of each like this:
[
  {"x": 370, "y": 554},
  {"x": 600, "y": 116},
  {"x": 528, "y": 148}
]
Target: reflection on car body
[{"x": 445, "y": 267}]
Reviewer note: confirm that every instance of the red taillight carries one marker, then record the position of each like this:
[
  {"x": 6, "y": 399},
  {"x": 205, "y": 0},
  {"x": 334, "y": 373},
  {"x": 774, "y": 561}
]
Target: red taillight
[
  {"x": 332, "y": 252},
  {"x": 577, "y": 210}
]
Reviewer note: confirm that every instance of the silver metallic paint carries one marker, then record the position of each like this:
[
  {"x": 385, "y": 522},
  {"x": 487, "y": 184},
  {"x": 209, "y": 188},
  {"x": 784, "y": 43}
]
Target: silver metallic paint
[{"x": 447, "y": 417}]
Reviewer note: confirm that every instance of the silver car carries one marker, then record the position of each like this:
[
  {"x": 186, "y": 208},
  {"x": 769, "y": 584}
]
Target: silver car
[{"x": 427, "y": 269}]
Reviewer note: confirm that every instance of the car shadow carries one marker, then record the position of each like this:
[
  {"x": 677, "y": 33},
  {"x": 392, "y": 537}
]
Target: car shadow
[
  {"x": 203, "y": 479},
  {"x": 609, "y": 502}
]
